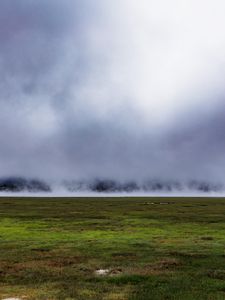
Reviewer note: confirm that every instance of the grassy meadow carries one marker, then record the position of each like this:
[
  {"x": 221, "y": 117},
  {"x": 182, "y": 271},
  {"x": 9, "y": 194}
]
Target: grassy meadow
[{"x": 146, "y": 248}]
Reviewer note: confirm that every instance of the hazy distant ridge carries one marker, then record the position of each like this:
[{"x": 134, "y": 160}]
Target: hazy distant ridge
[{"x": 19, "y": 184}]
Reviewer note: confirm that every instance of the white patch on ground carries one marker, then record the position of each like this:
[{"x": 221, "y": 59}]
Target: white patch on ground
[
  {"x": 15, "y": 298},
  {"x": 108, "y": 272},
  {"x": 102, "y": 272},
  {"x": 12, "y": 299}
]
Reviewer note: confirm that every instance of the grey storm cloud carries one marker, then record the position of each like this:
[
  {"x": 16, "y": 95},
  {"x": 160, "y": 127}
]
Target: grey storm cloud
[{"x": 127, "y": 89}]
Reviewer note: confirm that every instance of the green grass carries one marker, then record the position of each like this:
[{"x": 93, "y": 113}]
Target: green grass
[{"x": 51, "y": 248}]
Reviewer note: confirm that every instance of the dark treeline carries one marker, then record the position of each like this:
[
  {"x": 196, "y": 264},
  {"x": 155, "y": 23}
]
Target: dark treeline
[
  {"x": 110, "y": 186},
  {"x": 19, "y": 184},
  {"x": 16, "y": 184}
]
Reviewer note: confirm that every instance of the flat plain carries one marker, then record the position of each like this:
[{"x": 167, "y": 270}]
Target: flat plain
[{"x": 112, "y": 248}]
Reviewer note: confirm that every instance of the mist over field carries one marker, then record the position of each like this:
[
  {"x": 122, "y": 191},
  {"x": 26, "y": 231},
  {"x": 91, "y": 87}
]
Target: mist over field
[{"x": 121, "y": 92}]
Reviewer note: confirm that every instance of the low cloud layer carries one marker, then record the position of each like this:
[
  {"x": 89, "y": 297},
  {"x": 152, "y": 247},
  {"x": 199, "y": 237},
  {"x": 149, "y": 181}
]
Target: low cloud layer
[{"x": 126, "y": 90}]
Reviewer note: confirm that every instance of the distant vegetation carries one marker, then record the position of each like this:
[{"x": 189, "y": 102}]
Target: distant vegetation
[
  {"x": 163, "y": 186},
  {"x": 18, "y": 184}
]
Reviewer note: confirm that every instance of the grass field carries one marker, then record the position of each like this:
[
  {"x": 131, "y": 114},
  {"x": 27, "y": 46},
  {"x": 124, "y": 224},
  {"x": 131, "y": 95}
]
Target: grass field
[{"x": 150, "y": 248}]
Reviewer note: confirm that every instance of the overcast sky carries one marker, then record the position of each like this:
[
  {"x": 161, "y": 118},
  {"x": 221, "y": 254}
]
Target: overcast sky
[{"x": 124, "y": 89}]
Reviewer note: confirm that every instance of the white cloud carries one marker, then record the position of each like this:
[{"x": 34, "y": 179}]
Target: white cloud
[{"x": 160, "y": 57}]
